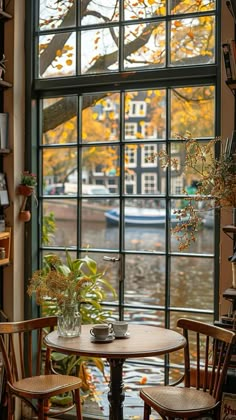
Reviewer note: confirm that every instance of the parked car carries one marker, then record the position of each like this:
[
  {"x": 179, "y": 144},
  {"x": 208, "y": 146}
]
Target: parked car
[
  {"x": 54, "y": 189},
  {"x": 94, "y": 189}
]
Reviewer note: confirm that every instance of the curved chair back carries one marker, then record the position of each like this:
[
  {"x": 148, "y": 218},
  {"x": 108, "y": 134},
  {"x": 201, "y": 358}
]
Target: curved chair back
[
  {"x": 207, "y": 355},
  {"x": 21, "y": 346}
]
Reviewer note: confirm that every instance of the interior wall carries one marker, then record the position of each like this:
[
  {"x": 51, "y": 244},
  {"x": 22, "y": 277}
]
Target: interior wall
[
  {"x": 14, "y": 163},
  {"x": 14, "y": 100},
  {"x": 227, "y": 124}
]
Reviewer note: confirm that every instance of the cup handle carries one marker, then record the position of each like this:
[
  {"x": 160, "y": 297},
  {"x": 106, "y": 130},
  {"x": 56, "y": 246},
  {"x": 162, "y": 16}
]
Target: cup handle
[{"x": 91, "y": 332}]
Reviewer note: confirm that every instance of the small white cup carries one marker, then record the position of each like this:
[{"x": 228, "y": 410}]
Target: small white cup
[
  {"x": 120, "y": 328},
  {"x": 100, "y": 331}
]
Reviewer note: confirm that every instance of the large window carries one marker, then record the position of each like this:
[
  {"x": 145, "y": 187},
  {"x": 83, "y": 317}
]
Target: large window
[{"x": 114, "y": 82}]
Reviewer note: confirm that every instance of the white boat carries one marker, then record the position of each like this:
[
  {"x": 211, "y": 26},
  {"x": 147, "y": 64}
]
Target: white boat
[{"x": 140, "y": 216}]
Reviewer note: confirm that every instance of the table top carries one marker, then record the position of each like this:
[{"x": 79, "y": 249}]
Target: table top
[{"x": 143, "y": 341}]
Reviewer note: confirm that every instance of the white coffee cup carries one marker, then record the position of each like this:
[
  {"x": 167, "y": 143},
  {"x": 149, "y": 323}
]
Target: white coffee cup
[
  {"x": 100, "y": 331},
  {"x": 120, "y": 328}
]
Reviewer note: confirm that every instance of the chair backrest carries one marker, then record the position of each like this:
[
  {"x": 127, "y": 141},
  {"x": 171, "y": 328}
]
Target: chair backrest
[
  {"x": 207, "y": 355},
  {"x": 21, "y": 346}
]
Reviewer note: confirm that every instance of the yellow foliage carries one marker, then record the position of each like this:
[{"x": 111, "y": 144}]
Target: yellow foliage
[
  {"x": 69, "y": 125},
  {"x": 69, "y": 62},
  {"x": 111, "y": 115},
  {"x": 68, "y": 47}
]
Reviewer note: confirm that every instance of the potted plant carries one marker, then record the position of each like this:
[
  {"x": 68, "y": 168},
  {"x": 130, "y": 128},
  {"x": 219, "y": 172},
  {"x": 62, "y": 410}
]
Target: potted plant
[
  {"x": 26, "y": 188},
  {"x": 2, "y": 66},
  {"x": 215, "y": 185},
  {"x": 27, "y": 184},
  {"x": 76, "y": 282}
]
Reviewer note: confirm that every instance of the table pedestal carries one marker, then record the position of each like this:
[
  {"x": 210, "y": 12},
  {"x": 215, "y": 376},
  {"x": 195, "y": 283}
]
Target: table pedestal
[{"x": 116, "y": 394}]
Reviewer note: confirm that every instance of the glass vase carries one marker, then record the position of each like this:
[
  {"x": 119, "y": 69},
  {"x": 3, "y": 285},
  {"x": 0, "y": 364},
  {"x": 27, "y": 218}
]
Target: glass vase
[{"x": 69, "y": 320}]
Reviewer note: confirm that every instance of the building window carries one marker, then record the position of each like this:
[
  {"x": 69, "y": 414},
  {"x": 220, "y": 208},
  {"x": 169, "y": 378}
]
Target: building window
[
  {"x": 137, "y": 109},
  {"x": 177, "y": 185},
  {"x": 131, "y": 130},
  {"x": 149, "y": 183},
  {"x": 147, "y": 151},
  {"x": 149, "y": 131},
  {"x": 131, "y": 156},
  {"x": 130, "y": 184}
]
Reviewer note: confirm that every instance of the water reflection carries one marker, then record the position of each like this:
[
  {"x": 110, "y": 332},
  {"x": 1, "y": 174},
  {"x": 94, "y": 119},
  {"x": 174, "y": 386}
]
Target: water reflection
[{"x": 150, "y": 239}]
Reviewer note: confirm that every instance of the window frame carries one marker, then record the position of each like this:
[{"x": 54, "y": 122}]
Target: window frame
[{"x": 43, "y": 88}]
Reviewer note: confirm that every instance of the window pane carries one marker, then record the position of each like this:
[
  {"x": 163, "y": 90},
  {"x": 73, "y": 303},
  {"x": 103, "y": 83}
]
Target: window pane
[
  {"x": 104, "y": 55},
  {"x": 187, "y": 171},
  {"x": 184, "y": 6},
  {"x": 193, "y": 110},
  {"x": 54, "y": 14},
  {"x": 143, "y": 10},
  {"x": 59, "y": 166},
  {"x": 193, "y": 41},
  {"x": 148, "y": 43},
  {"x": 57, "y": 55},
  {"x": 194, "y": 277},
  {"x": 145, "y": 114},
  {"x": 94, "y": 230},
  {"x": 145, "y": 222},
  {"x": 59, "y": 120},
  {"x": 100, "y": 117},
  {"x": 96, "y": 13},
  {"x": 65, "y": 220},
  {"x": 101, "y": 164},
  {"x": 202, "y": 233},
  {"x": 145, "y": 284}
]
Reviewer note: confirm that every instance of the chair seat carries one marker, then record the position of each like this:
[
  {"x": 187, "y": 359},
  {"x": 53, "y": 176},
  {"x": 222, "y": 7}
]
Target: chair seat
[
  {"x": 177, "y": 400},
  {"x": 45, "y": 385}
]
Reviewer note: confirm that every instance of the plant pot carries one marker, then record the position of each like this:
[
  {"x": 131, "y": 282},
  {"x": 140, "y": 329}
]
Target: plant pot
[
  {"x": 69, "y": 320},
  {"x": 25, "y": 190},
  {"x": 25, "y": 216}
]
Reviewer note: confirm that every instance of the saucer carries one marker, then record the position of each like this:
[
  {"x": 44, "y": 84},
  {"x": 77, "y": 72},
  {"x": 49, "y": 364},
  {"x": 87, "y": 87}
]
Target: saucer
[
  {"x": 126, "y": 335},
  {"x": 108, "y": 339}
]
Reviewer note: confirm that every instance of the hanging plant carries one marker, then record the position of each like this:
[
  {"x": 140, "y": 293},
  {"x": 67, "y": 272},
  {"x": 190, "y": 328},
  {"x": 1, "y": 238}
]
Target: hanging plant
[{"x": 26, "y": 188}]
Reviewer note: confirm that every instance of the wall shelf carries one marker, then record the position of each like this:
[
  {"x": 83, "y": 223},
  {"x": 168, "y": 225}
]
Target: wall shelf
[
  {"x": 5, "y": 85},
  {"x": 5, "y": 151},
  {"x": 230, "y": 230},
  {"x": 4, "y": 15},
  {"x": 5, "y": 242}
]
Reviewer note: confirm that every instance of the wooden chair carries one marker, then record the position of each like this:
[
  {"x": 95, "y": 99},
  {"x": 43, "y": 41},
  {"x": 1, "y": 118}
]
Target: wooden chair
[
  {"x": 21, "y": 346},
  {"x": 207, "y": 354}
]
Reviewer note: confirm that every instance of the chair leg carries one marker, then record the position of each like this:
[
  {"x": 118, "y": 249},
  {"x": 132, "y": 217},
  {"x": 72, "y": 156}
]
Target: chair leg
[
  {"x": 40, "y": 409},
  {"x": 10, "y": 410},
  {"x": 78, "y": 404},
  {"x": 147, "y": 411}
]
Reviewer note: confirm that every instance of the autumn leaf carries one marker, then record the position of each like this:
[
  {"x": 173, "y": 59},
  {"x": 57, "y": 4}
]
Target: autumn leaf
[{"x": 177, "y": 23}]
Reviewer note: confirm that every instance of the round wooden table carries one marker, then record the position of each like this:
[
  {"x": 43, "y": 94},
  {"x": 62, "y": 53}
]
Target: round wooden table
[{"x": 143, "y": 340}]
